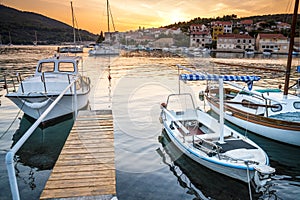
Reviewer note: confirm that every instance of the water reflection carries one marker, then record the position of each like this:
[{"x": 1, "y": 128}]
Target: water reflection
[
  {"x": 42, "y": 148},
  {"x": 201, "y": 182}
]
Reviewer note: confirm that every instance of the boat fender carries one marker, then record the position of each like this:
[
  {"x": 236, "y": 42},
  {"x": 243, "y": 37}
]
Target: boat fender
[
  {"x": 201, "y": 96},
  {"x": 171, "y": 125},
  {"x": 36, "y": 105},
  {"x": 229, "y": 113}
]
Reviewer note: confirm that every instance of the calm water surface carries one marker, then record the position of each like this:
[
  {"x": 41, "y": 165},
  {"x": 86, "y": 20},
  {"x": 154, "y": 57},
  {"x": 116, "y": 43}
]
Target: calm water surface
[{"x": 148, "y": 166}]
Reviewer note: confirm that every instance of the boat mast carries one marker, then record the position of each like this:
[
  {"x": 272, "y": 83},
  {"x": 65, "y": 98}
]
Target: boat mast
[
  {"x": 107, "y": 11},
  {"x": 289, "y": 62},
  {"x": 73, "y": 23}
]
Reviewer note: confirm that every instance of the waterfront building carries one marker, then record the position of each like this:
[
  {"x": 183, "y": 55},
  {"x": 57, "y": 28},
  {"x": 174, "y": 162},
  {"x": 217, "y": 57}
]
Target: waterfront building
[
  {"x": 200, "y": 39},
  {"x": 274, "y": 42},
  {"x": 235, "y": 42},
  {"x": 220, "y": 28}
]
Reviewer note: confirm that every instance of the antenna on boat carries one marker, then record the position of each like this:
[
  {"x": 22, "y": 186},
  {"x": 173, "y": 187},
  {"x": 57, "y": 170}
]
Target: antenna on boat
[{"x": 289, "y": 62}]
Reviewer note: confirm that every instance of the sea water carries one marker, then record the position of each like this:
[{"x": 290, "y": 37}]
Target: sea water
[{"x": 148, "y": 167}]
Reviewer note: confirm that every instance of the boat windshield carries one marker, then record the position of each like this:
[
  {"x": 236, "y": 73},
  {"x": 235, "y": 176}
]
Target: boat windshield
[
  {"x": 66, "y": 67},
  {"x": 180, "y": 102},
  {"x": 46, "y": 67}
]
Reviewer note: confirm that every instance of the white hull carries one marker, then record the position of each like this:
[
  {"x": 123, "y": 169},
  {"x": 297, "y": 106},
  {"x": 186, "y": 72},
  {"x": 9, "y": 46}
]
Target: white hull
[
  {"x": 281, "y": 135},
  {"x": 34, "y": 108},
  {"x": 71, "y": 49},
  {"x": 103, "y": 52},
  {"x": 213, "y": 145},
  {"x": 53, "y": 75},
  {"x": 230, "y": 171}
]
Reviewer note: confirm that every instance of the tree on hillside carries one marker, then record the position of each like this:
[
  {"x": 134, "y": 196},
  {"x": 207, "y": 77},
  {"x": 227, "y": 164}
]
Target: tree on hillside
[{"x": 100, "y": 38}]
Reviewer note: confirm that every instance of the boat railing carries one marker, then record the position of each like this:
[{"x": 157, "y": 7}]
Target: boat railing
[
  {"x": 175, "y": 122},
  {"x": 16, "y": 81},
  {"x": 11, "y": 82},
  {"x": 9, "y": 159}
]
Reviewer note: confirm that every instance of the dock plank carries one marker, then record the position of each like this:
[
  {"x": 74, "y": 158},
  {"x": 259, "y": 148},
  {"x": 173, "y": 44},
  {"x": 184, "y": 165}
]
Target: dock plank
[{"x": 86, "y": 165}]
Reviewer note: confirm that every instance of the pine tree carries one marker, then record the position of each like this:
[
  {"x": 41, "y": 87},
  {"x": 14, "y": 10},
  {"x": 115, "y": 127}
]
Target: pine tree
[{"x": 100, "y": 38}]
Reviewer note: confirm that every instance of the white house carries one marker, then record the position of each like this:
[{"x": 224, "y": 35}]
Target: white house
[
  {"x": 275, "y": 42},
  {"x": 235, "y": 42}
]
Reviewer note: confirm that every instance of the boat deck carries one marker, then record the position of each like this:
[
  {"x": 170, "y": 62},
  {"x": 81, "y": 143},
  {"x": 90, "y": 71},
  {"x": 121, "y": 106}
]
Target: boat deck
[{"x": 85, "y": 168}]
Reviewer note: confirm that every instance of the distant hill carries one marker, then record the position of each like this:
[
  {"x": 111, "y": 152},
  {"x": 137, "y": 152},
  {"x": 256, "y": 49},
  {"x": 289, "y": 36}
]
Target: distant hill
[{"x": 22, "y": 26}]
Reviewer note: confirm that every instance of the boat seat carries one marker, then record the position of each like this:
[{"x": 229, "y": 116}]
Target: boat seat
[
  {"x": 184, "y": 115},
  {"x": 239, "y": 154},
  {"x": 214, "y": 136}
]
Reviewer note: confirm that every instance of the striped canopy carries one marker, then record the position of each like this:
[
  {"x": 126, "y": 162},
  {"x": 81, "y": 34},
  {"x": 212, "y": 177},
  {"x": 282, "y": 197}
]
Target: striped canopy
[{"x": 198, "y": 77}]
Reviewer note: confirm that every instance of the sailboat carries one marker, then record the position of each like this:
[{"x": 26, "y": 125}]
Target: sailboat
[
  {"x": 74, "y": 48},
  {"x": 271, "y": 113},
  {"x": 210, "y": 142},
  {"x": 35, "y": 42},
  {"x": 106, "y": 49}
]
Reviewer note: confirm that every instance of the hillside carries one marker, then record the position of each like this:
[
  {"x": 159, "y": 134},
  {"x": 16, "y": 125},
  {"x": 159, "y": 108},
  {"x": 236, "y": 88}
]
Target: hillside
[
  {"x": 22, "y": 27},
  {"x": 268, "y": 19}
]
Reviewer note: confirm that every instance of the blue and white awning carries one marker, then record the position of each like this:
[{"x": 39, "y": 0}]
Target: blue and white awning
[
  {"x": 213, "y": 77},
  {"x": 199, "y": 77}
]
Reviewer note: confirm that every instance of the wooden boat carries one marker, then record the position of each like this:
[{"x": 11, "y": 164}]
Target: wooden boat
[
  {"x": 213, "y": 144},
  {"x": 252, "y": 112},
  {"x": 271, "y": 113},
  {"x": 52, "y": 76}
]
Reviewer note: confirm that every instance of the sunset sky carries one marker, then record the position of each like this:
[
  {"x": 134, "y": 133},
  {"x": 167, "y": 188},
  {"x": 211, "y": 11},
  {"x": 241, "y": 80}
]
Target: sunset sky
[{"x": 130, "y": 14}]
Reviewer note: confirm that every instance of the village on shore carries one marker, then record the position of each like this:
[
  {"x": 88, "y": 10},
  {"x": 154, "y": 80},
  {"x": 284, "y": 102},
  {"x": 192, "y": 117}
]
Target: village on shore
[{"x": 219, "y": 36}]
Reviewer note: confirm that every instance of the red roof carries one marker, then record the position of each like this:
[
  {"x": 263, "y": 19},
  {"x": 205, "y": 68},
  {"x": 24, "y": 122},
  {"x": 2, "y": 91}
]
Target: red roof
[
  {"x": 221, "y": 23},
  {"x": 247, "y": 22},
  {"x": 196, "y": 25},
  {"x": 271, "y": 36},
  {"x": 235, "y": 36},
  {"x": 200, "y": 32}
]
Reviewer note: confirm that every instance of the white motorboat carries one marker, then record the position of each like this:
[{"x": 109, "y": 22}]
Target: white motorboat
[
  {"x": 70, "y": 49},
  {"x": 213, "y": 144},
  {"x": 104, "y": 50},
  {"x": 52, "y": 76}
]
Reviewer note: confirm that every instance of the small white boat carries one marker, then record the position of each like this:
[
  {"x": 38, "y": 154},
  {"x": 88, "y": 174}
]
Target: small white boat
[
  {"x": 104, "y": 50},
  {"x": 75, "y": 48},
  {"x": 249, "y": 51},
  {"x": 51, "y": 77},
  {"x": 70, "y": 49},
  {"x": 267, "y": 52},
  {"x": 213, "y": 144}
]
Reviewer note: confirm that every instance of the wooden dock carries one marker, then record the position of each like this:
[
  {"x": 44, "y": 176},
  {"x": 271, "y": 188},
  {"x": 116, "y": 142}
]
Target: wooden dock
[{"x": 85, "y": 168}]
